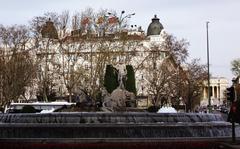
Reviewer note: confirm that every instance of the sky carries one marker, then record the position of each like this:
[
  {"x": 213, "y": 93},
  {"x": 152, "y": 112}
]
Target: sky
[{"x": 181, "y": 18}]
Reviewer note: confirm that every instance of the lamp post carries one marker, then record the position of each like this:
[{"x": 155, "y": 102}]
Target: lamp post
[
  {"x": 119, "y": 29},
  {"x": 209, "y": 99},
  {"x": 121, "y": 18},
  {"x": 218, "y": 90}
]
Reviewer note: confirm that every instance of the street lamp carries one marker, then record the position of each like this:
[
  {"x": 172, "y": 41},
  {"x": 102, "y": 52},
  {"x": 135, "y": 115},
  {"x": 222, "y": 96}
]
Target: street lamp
[
  {"x": 218, "y": 90},
  {"x": 209, "y": 99},
  {"x": 121, "y": 18}
]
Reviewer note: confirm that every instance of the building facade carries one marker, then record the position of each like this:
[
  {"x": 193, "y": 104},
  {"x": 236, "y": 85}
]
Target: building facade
[
  {"x": 77, "y": 61},
  {"x": 218, "y": 87},
  {"x": 90, "y": 55}
]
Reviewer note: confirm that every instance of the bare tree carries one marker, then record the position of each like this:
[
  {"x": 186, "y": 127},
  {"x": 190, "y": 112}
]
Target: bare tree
[
  {"x": 176, "y": 48},
  {"x": 160, "y": 81},
  {"x": 161, "y": 65},
  {"x": 18, "y": 69},
  {"x": 236, "y": 67},
  {"x": 71, "y": 65},
  {"x": 99, "y": 48},
  {"x": 196, "y": 74},
  {"x": 94, "y": 36},
  {"x": 45, "y": 49}
]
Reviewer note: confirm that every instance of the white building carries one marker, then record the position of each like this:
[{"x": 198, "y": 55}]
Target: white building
[
  {"x": 218, "y": 87},
  {"x": 72, "y": 61}
]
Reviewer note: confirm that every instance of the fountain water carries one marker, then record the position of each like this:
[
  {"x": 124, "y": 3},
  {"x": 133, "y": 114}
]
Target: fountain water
[
  {"x": 112, "y": 130},
  {"x": 120, "y": 96},
  {"x": 113, "y": 125},
  {"x": 167, "y": 110},
  {"x": 107, "y": 130}
]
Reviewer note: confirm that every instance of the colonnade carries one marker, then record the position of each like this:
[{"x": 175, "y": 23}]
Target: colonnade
[{"x": 215, "y": 92}]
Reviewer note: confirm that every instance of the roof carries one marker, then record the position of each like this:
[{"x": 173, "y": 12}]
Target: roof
[{"x": 155, "y": 27}]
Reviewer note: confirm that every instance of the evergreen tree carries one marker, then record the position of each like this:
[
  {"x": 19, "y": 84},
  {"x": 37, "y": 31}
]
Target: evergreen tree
[
  {"x": 111, "y": 78},
  {"x": 130, "y": 80}
]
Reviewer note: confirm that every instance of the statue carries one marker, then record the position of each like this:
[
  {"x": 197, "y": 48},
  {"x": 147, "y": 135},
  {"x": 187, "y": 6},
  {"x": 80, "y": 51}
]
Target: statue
[
  {"x": 121, "y": 75},
  {"x": 120, "y": 98}
]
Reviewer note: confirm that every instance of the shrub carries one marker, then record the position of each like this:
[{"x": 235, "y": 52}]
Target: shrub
[
  {"x": 130, "y": 84},
  {"x": 153, "y": 109},
  {"x": 111, "y": 78}
]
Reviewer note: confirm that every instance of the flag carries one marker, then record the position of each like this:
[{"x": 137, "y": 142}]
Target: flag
[
  {"x": 100, "y": 20},
  {"x": 112, "y": 20},
  {"x": 85, "y": 21}
]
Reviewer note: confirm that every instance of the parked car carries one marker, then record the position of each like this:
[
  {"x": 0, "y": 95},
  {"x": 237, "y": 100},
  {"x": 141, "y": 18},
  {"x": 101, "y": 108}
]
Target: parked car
[{"x": 224, "y": 109}]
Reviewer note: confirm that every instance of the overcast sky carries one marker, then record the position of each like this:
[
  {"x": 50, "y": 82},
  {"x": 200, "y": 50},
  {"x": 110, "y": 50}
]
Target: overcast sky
[{"x": 182, "y": 18}]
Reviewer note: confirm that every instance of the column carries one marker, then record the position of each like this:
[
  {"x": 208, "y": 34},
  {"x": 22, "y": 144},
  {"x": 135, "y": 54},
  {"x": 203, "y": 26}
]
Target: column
[
  {"x": 219, "y": 97},
  {"x": 212, "y": 91},
  {"x": 204, "y": 92},
  {"x": 207, "y": 93},
  {"x": 216, "y": 91}
]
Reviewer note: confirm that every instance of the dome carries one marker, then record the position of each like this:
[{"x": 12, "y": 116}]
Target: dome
[
  {"x": 155, "y": 27},
  {"x": 49, "y": 30}
]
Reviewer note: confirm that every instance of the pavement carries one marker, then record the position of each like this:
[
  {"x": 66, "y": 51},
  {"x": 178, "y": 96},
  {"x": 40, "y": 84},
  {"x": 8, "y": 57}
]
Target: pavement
[{"x": 230, "y": 144}]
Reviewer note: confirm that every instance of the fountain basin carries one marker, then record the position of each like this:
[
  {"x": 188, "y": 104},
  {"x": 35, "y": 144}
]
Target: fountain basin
[
  {"x": 90, "y": 130},
  {"x": 151, "y": 143},
  {"x": 101, "y": 117},
  {"x": 32, "y": 130},
  {"x": 113, "y": 125}
]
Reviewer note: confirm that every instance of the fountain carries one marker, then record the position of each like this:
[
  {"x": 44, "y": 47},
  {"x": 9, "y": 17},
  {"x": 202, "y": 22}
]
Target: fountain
[
  {"x": 106, "y": 130},
  {"x": 128, "y": 127},
  {"x": 113, "y": 125},
  {"x": 120, "y": 96},
  {"x": 167, "y": 109}
]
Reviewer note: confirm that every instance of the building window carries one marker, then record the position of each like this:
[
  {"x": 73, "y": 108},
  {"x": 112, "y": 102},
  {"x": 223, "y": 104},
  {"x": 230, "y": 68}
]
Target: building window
[
  {"x": 85, "y": 56},
  {"x": 86, "y": 67},
  {"x": 154, "y": 65}
]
